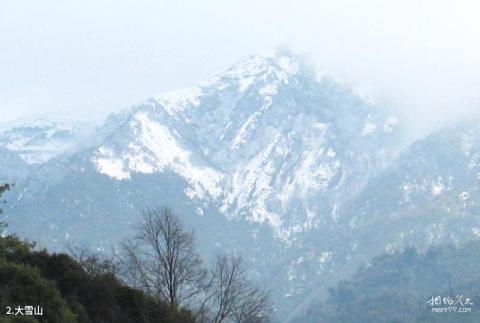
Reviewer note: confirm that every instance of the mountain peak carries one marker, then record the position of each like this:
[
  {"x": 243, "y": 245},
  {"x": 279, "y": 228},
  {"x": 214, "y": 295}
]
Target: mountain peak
[
  {"x": 270, "y": 70},
  {"x": 258, "y": 65}
]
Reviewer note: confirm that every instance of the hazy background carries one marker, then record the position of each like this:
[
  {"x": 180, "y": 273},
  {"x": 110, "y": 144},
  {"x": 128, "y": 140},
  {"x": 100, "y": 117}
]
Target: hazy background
[{"x": 85, "y": 59}]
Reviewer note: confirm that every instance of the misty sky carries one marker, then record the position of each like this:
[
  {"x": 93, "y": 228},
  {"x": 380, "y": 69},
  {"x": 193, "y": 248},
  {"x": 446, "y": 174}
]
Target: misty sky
[{"x": 85, "y": 59}]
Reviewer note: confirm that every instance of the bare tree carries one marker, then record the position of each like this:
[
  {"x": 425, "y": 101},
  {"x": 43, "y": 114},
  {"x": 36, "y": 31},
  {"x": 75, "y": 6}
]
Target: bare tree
[
  {"x": 254, "y": 307},
  {"x": 95, "y": 264},
  {"x": 161, "y": 259},
  {"x": 231, "y": 297},
  {"x": 3, "y": 189}
]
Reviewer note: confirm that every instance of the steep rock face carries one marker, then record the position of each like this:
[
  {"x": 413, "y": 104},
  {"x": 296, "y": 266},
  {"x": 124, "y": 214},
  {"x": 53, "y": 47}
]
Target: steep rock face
[{"x": 262, "y": 159}]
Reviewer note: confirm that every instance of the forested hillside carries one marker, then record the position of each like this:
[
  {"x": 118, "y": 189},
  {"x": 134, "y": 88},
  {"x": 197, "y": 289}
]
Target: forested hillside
[
  {"x": 399, "y": 288},
  {"x": 67, "y": 293}
]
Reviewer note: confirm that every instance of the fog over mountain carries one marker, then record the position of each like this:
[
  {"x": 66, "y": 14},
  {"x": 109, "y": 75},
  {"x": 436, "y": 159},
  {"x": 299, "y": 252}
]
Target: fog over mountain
[{"x": 87, "y": 59}]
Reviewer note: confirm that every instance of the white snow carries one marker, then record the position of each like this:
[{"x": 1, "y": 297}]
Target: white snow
[
  {"x": 245, "y": 83},
  {"x": 250, "y": 186},
  {"x": 390, "y": 124},
  {"x": 177, "y": 101},
  {"x": 107, "y": 163},
  {"x": 288, "y": 64},
  {"x": 464, "y": 196},
  {"x": 438, "y": 186},
  {"x": 249, "y": 126},
  {"x": 331, "y": 153},
  {"x": 268, "y": 89},
  {"x": 368, "y": 128},
  {"x": 437, "y": 189},
  {"x": 325, "y": 257},
  {"x": 335, "y": 215},
  {"x": 241, "y": 136},
  {"x": 154, "y": 150},
  {"x": 476, "y": 231}
]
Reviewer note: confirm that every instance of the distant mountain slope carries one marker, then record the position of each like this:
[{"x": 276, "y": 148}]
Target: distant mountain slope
[
  {"x": 429, "y": 194},
  {"x": 36, "y": 140}
]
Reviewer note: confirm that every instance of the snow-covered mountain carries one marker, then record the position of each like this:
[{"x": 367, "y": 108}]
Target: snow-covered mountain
[
  {"x": 298, "y": 174},
  {"x": 262, "y": 141},
  {"x": 37, "y": 140}
]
